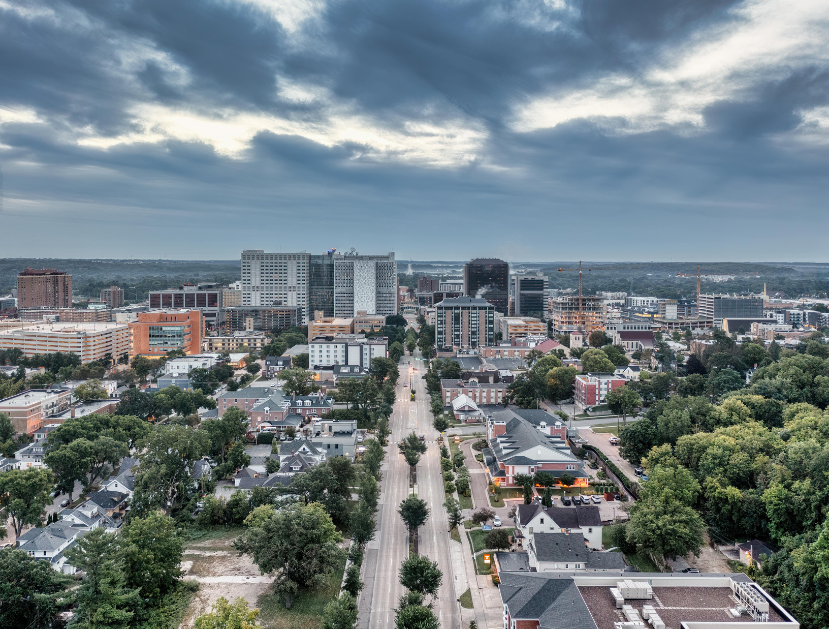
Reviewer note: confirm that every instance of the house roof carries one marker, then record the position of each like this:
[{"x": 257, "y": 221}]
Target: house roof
[
  {"x": 756, "y": 548},
  {"x": 107, "y": 499},
  {"x": 636, "y": 335},
  {"x": 297, "y": 445},
  {"x": 49, "y": 538},
  {"x": 553, "y": 601},
  {"x": 598, "y": 560},
  {"x": 559, "y": 547},
  {"x": 513, "y": 562},
  {"x": 249, "y": 393},
  {"x": 565, "y": 517},
  {"x": 464, "y": 400},
  {"x": 297, "y": 460},
  {"x": 547, "y": 346},
  {"x": 523, "y": 439}
]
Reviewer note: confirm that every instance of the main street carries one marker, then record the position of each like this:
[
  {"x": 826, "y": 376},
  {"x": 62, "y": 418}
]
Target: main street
[{"x": 390, "y": 547}]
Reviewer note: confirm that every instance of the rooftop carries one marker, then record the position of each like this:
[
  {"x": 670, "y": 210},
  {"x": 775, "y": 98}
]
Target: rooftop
[
  {"x": 32, "y": 396},
  {"x": 450, "y": 302}
]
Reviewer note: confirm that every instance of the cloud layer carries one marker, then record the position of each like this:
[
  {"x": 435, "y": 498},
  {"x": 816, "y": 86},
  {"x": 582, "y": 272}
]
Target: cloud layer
[{"x": 541, "y": 129}]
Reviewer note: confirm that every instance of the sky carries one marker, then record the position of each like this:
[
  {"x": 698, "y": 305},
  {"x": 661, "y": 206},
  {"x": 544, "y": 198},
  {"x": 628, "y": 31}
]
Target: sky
[{"x": 438, "y": 129}]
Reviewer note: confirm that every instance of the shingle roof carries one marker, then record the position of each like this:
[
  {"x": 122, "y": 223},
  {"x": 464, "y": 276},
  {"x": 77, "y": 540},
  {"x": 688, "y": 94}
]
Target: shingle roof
[
  {"x": 756, "y": 548},
  {"x": 564, "y": 517},
  {"x": 560, "y": 547},
  {"x": 513, "y": 562},
  {"x": 552, "y": 600},
  {"x": 605, "y": 561},
  {"x": 524, "y": 439},
  {"x": 107, "y": 499}
]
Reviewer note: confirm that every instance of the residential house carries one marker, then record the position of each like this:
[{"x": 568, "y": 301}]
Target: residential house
[
  {"x": 568, "y": 551},
  {"x": 592, "y": 388},
  {"x": 50, "y": 542},
  {"x": 31, "y": 455},
  {"x": 631, "y": 372},
  {"x": 522, "y": 442},
  {"x": 275, "y": 364},
  {"x": 465, "y": 410},
  {"x": 583, "y": 520},
  {"x": 244, "y": 399},
  {"x": 487, "y": 393},
  {"x": 337, "y": 438}
]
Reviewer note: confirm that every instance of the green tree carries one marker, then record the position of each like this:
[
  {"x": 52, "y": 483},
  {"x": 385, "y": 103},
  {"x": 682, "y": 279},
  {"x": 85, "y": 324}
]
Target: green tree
[
  {"x": 412, "y": 447},
  {"x": 70, "y": 464},
  {"x": 598, "y": 338},
  {"x": 414, "y": 512},
  {"x": 497, "y": 539},
  {"x": 419, "y": 574},
  {"x": 226, "y": 615},
  {"x": 103, "y": 599},
  {"x": 151, "y": 550},
  {"x": 362, "y": 524},
  {"x": 341, "y": 613},
  {"x": 453, "y": 512},
  {"x": 31, "y": 591},
  {"x": 373, "y": 457},
  {"x": 299, "y": 544},
  {"x": 622, "y": 401},
  {"x": 297, "y": 381},
  {"x": 411, "y": 613},
  {"x": 722, "y": 381},
  {"x": 596, "y": 361},
  {"x": 526, "y": 482},
  {"x": 352, "y": 583},
  {"x": 91, "y": 390},
  {"x": 369, "y": 491},
  {"x": 396, "y": 351},
  {"x": 24, "y": 495},
  {"x": 560, "y": 381}
]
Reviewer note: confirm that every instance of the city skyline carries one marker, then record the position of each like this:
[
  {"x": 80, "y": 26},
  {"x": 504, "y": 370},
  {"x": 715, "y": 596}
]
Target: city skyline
[{"x": 564, "y": 131}]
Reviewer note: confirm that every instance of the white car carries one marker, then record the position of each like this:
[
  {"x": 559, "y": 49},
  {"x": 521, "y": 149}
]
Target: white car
[{"x": 496, "y": 521}]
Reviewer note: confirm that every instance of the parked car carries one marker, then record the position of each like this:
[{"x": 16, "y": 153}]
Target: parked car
[
  {"x": 614, "y": 440},
  {"x": 691, "y": 570},
  {"x": 496, "y": 521},
  {"x": 644, "y": 477},
  {"x": 596, "y": 498},
  {"x": 585, "y": 500},
  {"x": 565, "y": 500},
  {"x": 64, "y": 503},
  {"x": 638, "y": 471},
  {"x": 421, "y": 437}
]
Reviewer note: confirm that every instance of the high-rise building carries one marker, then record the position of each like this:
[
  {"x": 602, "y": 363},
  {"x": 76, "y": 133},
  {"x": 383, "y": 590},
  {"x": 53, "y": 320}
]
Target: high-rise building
[
  {"x": 44, "y": 288},
  {"x": 269, "y": 319},
  {"x": 338, "y": 285},
  {"x": 90, "y": 341},
  {"x": 464, "y": 323},
  {"x": 488, "y": 278},
  {"x": 113, "y": 296},
  {"x": 365, "y": 283},
  {"x": 205, "y": 297},
  {"x": 719, "y": 307},
  {"x": 427, "y": 285},
  {"x": 527, "y": 292},
  {"x": 156, "y": 333},
  {"x": 565, "y": 316}
]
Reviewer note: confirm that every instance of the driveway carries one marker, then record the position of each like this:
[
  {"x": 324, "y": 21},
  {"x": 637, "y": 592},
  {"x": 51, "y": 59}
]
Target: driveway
[
  {"x": 477, "y": 480},
  {"x": 601, "y": 442}
]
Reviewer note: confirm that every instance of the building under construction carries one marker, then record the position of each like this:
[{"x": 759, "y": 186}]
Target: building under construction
[{"x": 566, "y": 318}]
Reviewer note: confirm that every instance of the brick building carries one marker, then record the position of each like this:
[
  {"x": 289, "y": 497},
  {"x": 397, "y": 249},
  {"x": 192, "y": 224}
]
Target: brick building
[
  {"x": 592, "y": 388},
  {"x": 156, "y": 333},
  {"x": 464, "y": 323},
  {"x": 44, "y": 288},
  {"x": 28, "y": 409},
  {"x": 478, "y": 392},
  {"x": 67, "y": 315},
  {"x": 113, "y": 296}
]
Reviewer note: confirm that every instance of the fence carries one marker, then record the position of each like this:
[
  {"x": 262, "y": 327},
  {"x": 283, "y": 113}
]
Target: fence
[{"x": 631, "y": 486}]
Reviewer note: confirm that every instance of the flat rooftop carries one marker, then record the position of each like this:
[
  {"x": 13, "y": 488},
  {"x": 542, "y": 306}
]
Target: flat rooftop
[
  {"x": 674, "y": 605},
  {"x": 32, "y": 396},
  {"x": 63, "y": 328}
]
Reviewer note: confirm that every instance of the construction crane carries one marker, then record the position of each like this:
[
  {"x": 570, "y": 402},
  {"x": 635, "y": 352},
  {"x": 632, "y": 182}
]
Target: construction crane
[
  {"x": 581, "y": 320},
  {"x": 699, "y": 277}
]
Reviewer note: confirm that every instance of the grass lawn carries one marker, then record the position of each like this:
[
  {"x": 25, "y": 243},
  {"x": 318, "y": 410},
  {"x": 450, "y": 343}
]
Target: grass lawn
[
  {"x": 477, "y": 537},
  {"x": 306, "y": 610},
  {"x": 480, "y": 566},
  {"x": 468, "y": 524},
  {"x": 466, "y": 599},
  {"x": 643, "y": 562},
  {"x": 465, "y": 502},
  {"x": 455, "y": 535},
  {"x": 219, "y": 533},
  {"x": 497, "y": 499},
  {"x": 613, "y": 431}
]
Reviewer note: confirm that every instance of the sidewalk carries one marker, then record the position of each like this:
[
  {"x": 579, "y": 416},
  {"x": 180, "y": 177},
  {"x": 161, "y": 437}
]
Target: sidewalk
[{"x": 478, "y": 602}]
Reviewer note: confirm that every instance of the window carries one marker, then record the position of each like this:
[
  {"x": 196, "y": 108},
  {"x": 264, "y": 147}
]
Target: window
[
  {"x": 590, "y": 530},
  {"x": 541, "y": 521}
]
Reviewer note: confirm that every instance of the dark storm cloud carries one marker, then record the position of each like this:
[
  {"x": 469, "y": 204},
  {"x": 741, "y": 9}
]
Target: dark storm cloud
[{"x": 86, "y": 70}]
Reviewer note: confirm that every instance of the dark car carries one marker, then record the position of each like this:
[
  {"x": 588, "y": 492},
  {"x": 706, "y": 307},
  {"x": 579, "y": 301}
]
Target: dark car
[
  {"x": 565, "y": 500},
  {"x": 638, "y": 471},
  {"x": 691, "y": 570}
]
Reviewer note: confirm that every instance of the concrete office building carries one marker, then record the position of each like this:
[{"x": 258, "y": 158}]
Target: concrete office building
[
  {"x": 28, "y": 409},
  {"x": 44, "y": 288},
  {"x": 427, "y": 285},
  {"x": 66, "y": 315},
  {"x": 156, "y": 333},
  {"x": 207, "y": 298},
  {"x": 255, "y": 341},
  {"x": 464, "y": 323},
  {"x": 268, "y": 319},
  {"x": 231, "y": 297},
  {"x": 527, "y": 294},
  {"x": 641, "y": 302},
  {"x": 365, "y": 283},
  {"x": 719, "y": 307},
  {"x": 90, "y": 341},
  {"x": 113, "y": 297},
  {"x": 488, "y": 278},
  {"x": 519, "y": 327}
]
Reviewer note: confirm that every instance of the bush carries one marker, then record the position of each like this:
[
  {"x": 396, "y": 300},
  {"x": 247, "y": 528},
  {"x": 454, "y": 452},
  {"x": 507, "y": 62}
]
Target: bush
[
  {"x": 446, "y": 465},
  {"x": 479, "y": 445},
  {"x": 448, "y": 477},
  {"x": 355, "y": 555},
  {"x": 483, "y": 515},
  {"x": 496, "y": 579},
  {"x": 449, "y": 487},
  {"x": 213, "y": 512},
  {"x": 497, "y": 539}
]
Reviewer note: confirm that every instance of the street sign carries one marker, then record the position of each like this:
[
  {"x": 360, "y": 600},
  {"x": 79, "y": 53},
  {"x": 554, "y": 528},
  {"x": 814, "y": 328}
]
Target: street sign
[{"x": 486, "y": 557}]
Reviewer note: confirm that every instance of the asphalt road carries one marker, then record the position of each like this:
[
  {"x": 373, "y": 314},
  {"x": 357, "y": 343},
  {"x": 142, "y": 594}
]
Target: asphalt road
[{"x": 383, "y": 589}]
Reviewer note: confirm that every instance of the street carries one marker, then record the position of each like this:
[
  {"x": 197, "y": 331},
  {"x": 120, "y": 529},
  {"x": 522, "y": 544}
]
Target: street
[{"x": 390, "y": 547}]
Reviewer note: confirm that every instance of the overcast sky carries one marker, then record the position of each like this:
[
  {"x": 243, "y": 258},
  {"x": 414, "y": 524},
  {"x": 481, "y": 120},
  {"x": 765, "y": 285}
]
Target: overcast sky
[{"x": 438, "y": 129}]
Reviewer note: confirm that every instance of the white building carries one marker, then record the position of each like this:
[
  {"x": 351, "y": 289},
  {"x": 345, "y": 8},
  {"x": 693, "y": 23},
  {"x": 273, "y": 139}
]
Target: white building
[
  {"x": 346, "y": 349},
  {"x": 641, "y": 302},
  {"x": 90, "y": 341},
  {"x": 365, "y": 282},
  {"x": 275, "y": 279},
  {"x": 183, "y": 366}
]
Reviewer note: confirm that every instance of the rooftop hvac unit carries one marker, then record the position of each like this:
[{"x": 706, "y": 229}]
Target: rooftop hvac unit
[
  {"x": 656, "y": 621},
  {"x": 617, "y": 596},
  {"x": 635, "y": 589},
  {"x": 750, "y": 598},
  {"x": 647, "y": 610},
  {"x": 629, "y": 625},
  {"x": 631, "y": 614}
]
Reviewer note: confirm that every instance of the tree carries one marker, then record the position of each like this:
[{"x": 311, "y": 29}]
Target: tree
[
  {"x": 373, "y": 457},
  {"x": 560, "y": 381},
  {"x": 151, "y": 549},
  {"x": 224, "y": 615},
  {"x": 721, "y": 381},
  {"x": 103, "y": 598},
  {"x": 341, "y": 613},
  {"x": 223, "y": 432},
  {"x": 396, "y": 351},
  {"x": 164, "y": 474},
  {"x": 596, "y": 361},
  {"x": 694, "y": 366},
  {"x": 453, "y": 512},
  {"x": 299, "y": 544},
  {"x": 419, "y": 574},
  {"x": 622, "y": 401},
  {"x": 412, "y": 447},
  {"x": 411, "y": 613},
  {"x": 440, "y": 423},
  {"x": 6, "y": 427},
  {"x": 369, "y": 491},
  {"x": 297, "y": 381},
  {"x": 70, "y": 464},
  {"x": 91, "y": 390},
  {"x": 362, "y": 525},
  {"x": 598, "y": 338},
  {"x": 31, "y": 591},
  {"x": 526, "y": 481},
  {"x": 253, "y": 368},
  {"x": 566, "y": 479},
  {"x": 413, "y": 511},
  {"x": 483, "y": 515},
  {"x": 24, "y": 495},
  {"x": 497, "y": 539},
  {"x": 383, "y": 368},
  {"x": 352, "y": 583}
]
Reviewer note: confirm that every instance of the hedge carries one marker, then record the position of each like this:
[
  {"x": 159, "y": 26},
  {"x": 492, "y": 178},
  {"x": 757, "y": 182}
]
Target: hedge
[{"x": 632, "y": 487}]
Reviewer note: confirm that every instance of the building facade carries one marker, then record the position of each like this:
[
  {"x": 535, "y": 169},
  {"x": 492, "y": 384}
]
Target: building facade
[
  {"x": 488, "y": 278},
  {"x": 464, "y": 323},
  {"x": 113, "y": 296},
  {"x": 592, "y": 388},
  {"x": 564, "y": 313},
  {"x": 268, "y": 319},
  {"x": 156, "y": 333},
  {"x": 207, "y": 298},
  {"x": 719, "y": 307},
  {"x": 528, "y": 294},
  {"x": 67, "y": 315},
  {"x": 346, "y": 349},
  {"x": 365, "y": 283},
  {"x": 29, "y": 409},
  {"x": 44, "y": 288},
  {"x": 90, "y": 341},
  {"x": 518, "y": 327},
  {"x": 233, "y": 341}
]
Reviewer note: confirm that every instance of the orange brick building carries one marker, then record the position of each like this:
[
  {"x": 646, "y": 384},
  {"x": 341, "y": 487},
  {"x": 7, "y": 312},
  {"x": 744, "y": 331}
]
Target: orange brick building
[
  {"x": 44, "y": 288},
  {"x": 159, "y": 332}
]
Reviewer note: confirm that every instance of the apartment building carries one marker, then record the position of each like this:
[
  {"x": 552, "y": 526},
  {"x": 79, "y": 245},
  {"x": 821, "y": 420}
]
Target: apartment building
[
  {"x": 365, "y": 283},
  {"x": 346, "y": 349},
  {"x": 464, "y": 323},
  {"x": 90, "y": 341},
  {"x": 28, "y": 410},
  {"x": 255, "y": 341},
  {"x": 268, "y": 319},
  {"x": 66, "y": 315},
  {"x": 592, "y": 388},
  {"x": 207, "y": 298},
  {"x": 517, "y": 327},
  {"x": 477, "y": 390},
  {"x": 44, "y": 288},
  {"x": 156, "y": 333},
  {"x": 113, "y": 297}
]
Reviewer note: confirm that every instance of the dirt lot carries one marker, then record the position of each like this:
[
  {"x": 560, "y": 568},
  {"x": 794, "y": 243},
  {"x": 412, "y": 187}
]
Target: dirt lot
[
  {"x": 709, "y": 560},
  {"x": 221, "y": 572}
]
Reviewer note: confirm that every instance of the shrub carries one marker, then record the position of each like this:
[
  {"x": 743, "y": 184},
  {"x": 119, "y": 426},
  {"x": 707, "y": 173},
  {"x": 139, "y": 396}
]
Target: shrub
[
  {"x": 483, "y": 515},
  {"x": 355, "y": 555},
  {"x": 479, "y": 445},
  {"x": 446, "y": 465},
  {"x": 449, "y": 487},
  {"x": 448, "y": 477}
]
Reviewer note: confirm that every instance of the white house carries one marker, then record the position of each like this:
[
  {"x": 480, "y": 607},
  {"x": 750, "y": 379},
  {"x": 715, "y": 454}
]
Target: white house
[
  {"x": 584, "y": 520},
  {"x": 466, "y": 410}
]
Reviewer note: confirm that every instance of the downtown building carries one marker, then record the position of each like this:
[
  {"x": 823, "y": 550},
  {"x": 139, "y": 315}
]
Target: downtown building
[
  {"x": 464, "y": 323},
  {"x": 44, "y": 288},
  {"x": 338, "y": 285},
  {"x": 721, "y": 307},
  {"x": 207, "y": 298},
  {"x": 488, "y": 278},
  {"x": 528, "y": 295}
]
